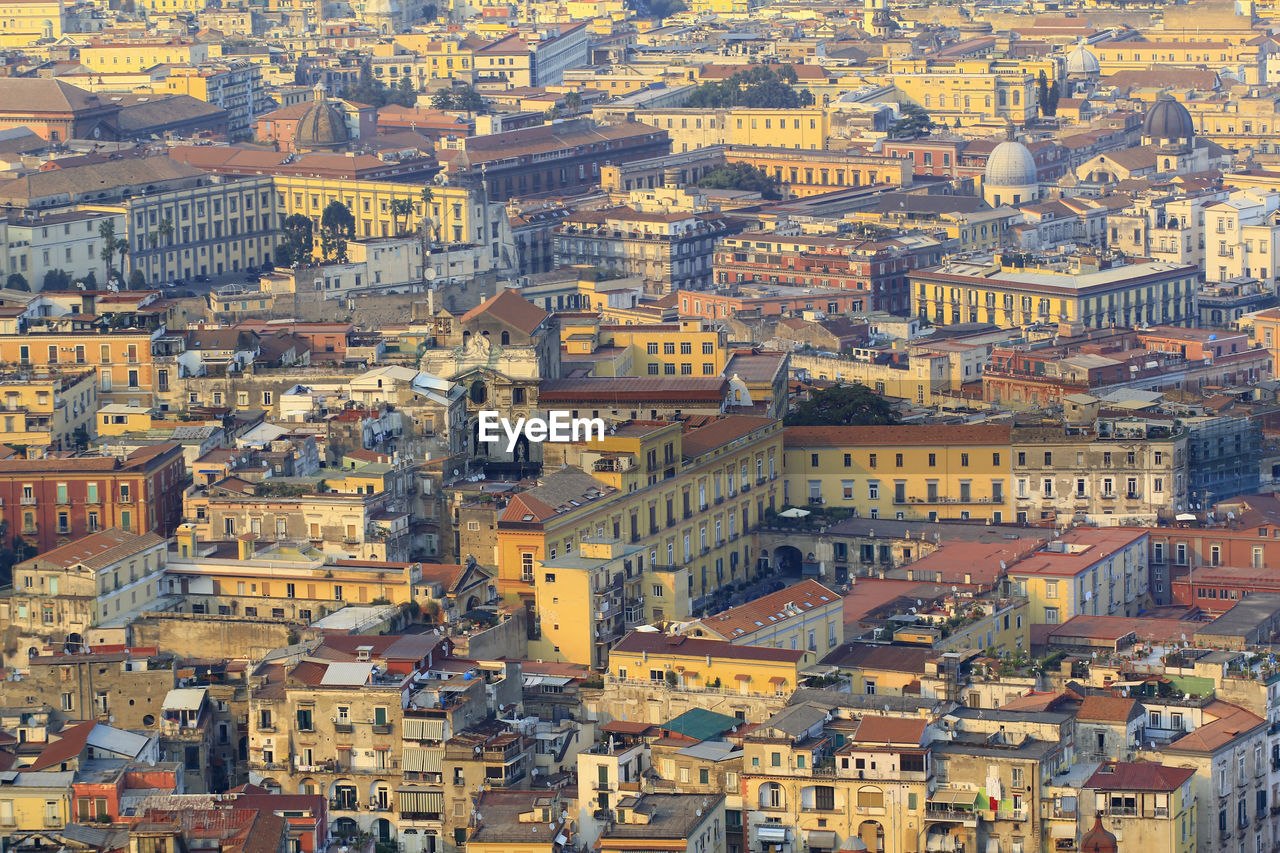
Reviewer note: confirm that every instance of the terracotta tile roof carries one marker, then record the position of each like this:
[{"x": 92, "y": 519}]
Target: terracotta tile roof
[
  {"x": 889, "y": 730},
  {"x": 1138, "y": 776},
  {"x": 97, "y": 550},
  {"x": 1108, "y": 709},
  {"x": 1231, "y": 722},
  {"x": 511, "y": 308},
  {"x": 661, "y": 644},
  {"x": 768, "y": 611},
  {"x": 721, "y": 431},
  {"x": 840, "y": 436},
  {"x": 70, "y": 743}
]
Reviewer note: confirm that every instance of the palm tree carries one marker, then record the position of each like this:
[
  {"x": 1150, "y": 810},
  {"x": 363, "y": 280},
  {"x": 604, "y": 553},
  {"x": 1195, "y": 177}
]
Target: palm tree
[
  {"x": 165, "y": 231},
  {"x": 401, "y": 208}
]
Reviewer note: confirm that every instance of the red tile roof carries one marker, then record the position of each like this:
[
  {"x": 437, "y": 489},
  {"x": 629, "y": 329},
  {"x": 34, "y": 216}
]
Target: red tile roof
[
  {"x": 1108, "y": 709},
  {"x": 511, "y": 308},
  {"x": 655, "y": 643},
  {"x": 1138, "y": 776},
  {"x": 768, "y": 611},
  {"x": 70, "y": 743}
]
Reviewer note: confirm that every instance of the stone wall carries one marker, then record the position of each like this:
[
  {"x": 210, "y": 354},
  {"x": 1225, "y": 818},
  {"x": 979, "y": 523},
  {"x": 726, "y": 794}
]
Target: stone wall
[
  {"x": 507, "y": 639},
  {"x": 209, "y": 637}
]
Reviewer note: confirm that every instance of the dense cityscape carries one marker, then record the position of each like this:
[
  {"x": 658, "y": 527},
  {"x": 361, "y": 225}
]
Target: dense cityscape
[{"x": 639, "y": 426}]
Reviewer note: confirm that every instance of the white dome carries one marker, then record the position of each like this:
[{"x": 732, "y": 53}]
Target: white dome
[
  {"x": 1010, "y": 165},
  {"x": 1082, "y": 61}
]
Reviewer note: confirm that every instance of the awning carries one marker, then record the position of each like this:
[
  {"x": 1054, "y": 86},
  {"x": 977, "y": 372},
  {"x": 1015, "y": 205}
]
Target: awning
[
  {"x": 823, "y": 838},
  {"x": 993, "y": 845},
  {"x": 422, "y": 802},
  {"x": 417, "y": 728},
  {"x": 953, "y": 797},
  {"x": 423, "y": 760},
  {"x": 1062, "y": 830},
  {"x": 778, "y": 679},
  {"x": 773, "y": 834},
  {"x": 741, "y": 677}
]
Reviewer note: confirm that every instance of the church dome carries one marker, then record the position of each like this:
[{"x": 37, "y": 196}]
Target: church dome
[
  {"x": 1168, "y": 119},
  {"x": 1010, "y": 165},
  {"x": 1098, "y": 840},
  {"x": 1082, "y": 61},
  {"x": 322, "y": 125}
]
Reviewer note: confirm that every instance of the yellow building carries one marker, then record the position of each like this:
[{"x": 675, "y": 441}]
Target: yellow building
[
  {"x": 121, "y": 359},
  {"x": 279, "y": 582},
  {"x": 22, "y": 22},
  {"x": 48, "y": 409},
  {"x": 803, "y": 128},
  {"x": 1098, "y": 571},
  {"x": 905, "y": 472},
  {"x": 806, "y": 173},
  {"x": 109, "y": 57},
  {"x": 975, "y": 91},
  {"x": 828, "y": 781},
  {"x": 117, "y": 419},
  {"x": 806, "y": 616},
  {"x": 36, "y": 801},
  {"x": 682, "y": 502},
  {"x": 1152, "y": 806},
  {"x": 1266, "y": 331},
  {"x": 689, "y": 662},
  {"x": 683, "y": 348},
  {"x": 1009, "y": 296},
  {"x": 457, "y": 214}
]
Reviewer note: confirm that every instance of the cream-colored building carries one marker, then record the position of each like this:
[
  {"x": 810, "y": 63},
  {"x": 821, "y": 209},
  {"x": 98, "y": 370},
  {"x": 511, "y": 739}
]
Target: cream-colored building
[
  {"x": 808, "y": 617},
  {"x": 54, "y": 410},
  {"x": 85, "y": 592}
]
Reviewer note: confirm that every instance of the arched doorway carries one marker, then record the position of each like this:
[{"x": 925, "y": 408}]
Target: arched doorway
[
  {"x": 787, "y": 559},
  {"x": 345, "y": 827},
  {"x": 872, "y": 835}
]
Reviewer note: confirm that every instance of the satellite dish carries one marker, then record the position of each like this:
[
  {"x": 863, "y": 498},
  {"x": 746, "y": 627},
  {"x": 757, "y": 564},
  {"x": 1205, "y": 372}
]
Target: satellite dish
[
  {"x": 551, "y": 827},
  {"x": 455, "y": 472},
  {"x": 698, "y": 812},
  {"x": 477, "y": 753}
]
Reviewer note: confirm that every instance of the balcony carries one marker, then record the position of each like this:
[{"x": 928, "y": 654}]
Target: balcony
[
  {"x": 382, "y": 728},
  {"x": 951, "y": 816},
  {"x": 343, "y": 727}
]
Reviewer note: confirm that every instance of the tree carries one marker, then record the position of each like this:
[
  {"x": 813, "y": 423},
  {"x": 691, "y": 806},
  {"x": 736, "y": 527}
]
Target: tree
[
  {"x": 107, "y": 231},
  {"x": 298, "y": 241},
  {"x": 401, "y": 209},
  {"x": 122, "y": 248},
  {"x": 656, "y": 8},
  {"x": 165, "y": 231},
  {"x": 1054, "y": 93},
  {"x": 572, "y": 101},
  {"x": 56, "y": 280},
  {"x": 337, "y": 226},
  {"x": 843, "y": 405},
  {"x": 742, "y": 176},
  {"x": 912, "y": 121},
  {"x": 90, "y": 281},
  {"x": 137, "y": 281},
  {"x": 758, "y": 86},
  {"x": 1046, "y": 96},
  {"x": 406, "y": 95},
  {"x": 16, "y": 281},
  {"x": 462, "y": 99}
]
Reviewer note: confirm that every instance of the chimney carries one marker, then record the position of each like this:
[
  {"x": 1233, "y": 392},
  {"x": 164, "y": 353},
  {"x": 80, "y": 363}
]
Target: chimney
[
  {"x": 246, "y": 549},
  {"x": 186, "y": 535}
]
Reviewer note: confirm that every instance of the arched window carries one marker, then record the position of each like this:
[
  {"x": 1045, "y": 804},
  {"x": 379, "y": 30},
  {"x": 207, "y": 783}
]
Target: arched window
[
  {"x": 772, "y": 796},
  {"x": 478, "y": 392},
  {"x": 506, "y": 338},
  {"x": 870, "y": 797}
]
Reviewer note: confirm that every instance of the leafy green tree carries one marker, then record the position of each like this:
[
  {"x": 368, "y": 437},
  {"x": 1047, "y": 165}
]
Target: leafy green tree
[
  {"x": 337, "y": 226},
  {"x": 16, "y": 281},
  {"x": 656, "y": 8},
  {"x": 461, "y": 99},
  {"x": 137, "y": 281},
  {"x": 406, "y": 95},
  {"x": 1046, "y": 95},
  {"x": 298, "y": 241},
  {"x": 742, "y": 176},
  {"x": 759, "y": 86},
  {"x": 912, "y": 121},
  {"x": 90, "y": 281},
  {"x": 430, "y": 12},
  {"x": 843, "y": 405},
  {"x": 572, "y": 101},
  {"x": 56, "y": 279}
]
